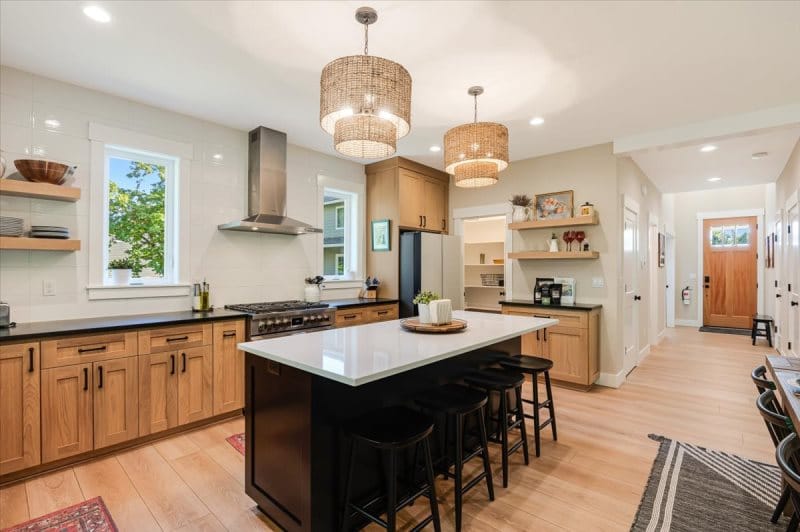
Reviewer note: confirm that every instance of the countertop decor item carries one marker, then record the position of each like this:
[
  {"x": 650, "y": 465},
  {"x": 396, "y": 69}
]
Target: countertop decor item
[
  {"x": 587, "y": 209},
  {"x": 365, "y": 100},
  {"x": 415, "y": 325},
  {"x": 521, "y": 208},
  {"x": 312, "y": 291},
  {"x": 370, "y": 290},
  {"x": 554, "y": 205},
  {"x": 476, "y": 152},
  {"x": 553, "y": 244},
  {"x": 422, "y": 300},
  {"x": 39, "y": 171},
  {"x": 441, "y": 311},
  {"x": 121, "y": 270}
]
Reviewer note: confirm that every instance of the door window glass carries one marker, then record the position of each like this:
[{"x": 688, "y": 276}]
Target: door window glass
[{"x": 742, "y": 235}]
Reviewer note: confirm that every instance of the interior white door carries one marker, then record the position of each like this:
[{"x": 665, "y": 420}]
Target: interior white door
[
  {"x": 669, "y": 298},
  {"x": 453, "y": 270},
  {"x": 431, "y": 263},
  {"x": 630, "y": 275},
  {"x": 793, "y": 277}
]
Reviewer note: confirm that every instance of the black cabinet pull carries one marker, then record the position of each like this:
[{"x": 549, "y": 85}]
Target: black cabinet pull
[
  {"x": 544, "y": 333},
  {"x": 229, "y": 333},
  {"x": 30, "y": 360},
  {"x": 795, "y": 303},
  {"x": 420, "y": 220},
  {"x": 537, "y": 335},
  {"x": 85, "y": 379},
  {"x": 92, "y": 349},
  {"x": 424, "y": 221},
  {"x": 637, "y": 298},
  {"x": 183, "y": 362},
  {"x": 383, "y": 312},
  {"x": 172, "y": 360},
  {"x": 350, "y": 316},
  {"x": 178, "y": 339},
  {"x": 100, "y": 376},
  {"x": 444, "y": 224}
]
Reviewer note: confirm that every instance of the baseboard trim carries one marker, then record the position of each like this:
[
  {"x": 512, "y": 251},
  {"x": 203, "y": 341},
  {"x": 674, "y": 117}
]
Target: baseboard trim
[
  {"x": 687, "y": 323},
  {"x": 611, "y": 380},
  {"x": 644, "y": 352}
]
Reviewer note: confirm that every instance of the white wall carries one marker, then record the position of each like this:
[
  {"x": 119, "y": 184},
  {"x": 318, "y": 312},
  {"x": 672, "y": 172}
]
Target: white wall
[{"x": 240, "y": 267}]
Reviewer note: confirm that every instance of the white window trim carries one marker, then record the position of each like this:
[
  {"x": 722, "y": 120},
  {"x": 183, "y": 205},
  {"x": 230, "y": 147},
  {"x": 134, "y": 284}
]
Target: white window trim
[
  {"x": 354, "y": 238},
  {"x": 102, "y": 136},
  {"x": 336, "y": 217}
]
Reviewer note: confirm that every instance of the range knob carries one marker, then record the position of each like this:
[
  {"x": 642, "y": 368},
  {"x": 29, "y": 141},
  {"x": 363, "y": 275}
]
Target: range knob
[
  {"x": 313, "y": 317},
  {"x": 285, "y": 321},
  {"x": 261, "y": 326},
  {"x": 270, "y": 323}
]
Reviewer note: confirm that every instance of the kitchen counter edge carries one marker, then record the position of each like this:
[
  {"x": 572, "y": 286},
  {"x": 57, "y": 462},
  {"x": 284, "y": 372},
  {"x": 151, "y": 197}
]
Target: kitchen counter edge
[{"x": 356, "y": 302}]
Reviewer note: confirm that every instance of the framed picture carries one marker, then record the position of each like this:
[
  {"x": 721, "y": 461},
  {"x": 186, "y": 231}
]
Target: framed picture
[
  {"x": 554, "y": 206},
  {"x": 567, "y": 289},
  {"x": 662, "y": 252},
  {"x": 381, "y": 235}
]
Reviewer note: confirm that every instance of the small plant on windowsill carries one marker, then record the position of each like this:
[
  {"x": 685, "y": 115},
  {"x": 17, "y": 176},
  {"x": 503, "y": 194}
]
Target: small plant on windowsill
[
  {"x": 421, "y": 300},
  {"x": 120, "y": 270}
]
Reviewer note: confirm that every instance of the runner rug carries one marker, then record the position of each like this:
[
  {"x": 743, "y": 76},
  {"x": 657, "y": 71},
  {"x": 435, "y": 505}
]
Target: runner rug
[
  {"x": 237, "y": 441},
  {"x": 86, "y": 516}
]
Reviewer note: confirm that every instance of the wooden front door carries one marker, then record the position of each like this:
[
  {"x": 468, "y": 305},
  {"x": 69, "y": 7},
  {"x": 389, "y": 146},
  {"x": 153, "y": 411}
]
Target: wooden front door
[{"x": 729, "y": 272}]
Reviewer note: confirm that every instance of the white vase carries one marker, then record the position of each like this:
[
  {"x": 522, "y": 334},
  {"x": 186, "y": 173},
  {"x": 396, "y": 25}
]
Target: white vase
[
  {"x": 554, "y": 245},
  {"x": 312, "y": 293},
  {"x": 424, "y": 313},
  {"x": 520, "y": 213},
  {"x": 121, "y": 277}
]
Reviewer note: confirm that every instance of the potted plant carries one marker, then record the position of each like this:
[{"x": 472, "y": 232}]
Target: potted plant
[
  {"x": 421, "y": 300},
  {"x": 521, "y": 207},
  {"x": 121, "y": 270},
  {"x": 312, "y": 291}
]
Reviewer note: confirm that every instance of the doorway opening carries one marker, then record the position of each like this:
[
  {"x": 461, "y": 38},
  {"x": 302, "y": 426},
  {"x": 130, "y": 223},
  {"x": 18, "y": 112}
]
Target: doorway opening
[{"x": 484, "y": 262}]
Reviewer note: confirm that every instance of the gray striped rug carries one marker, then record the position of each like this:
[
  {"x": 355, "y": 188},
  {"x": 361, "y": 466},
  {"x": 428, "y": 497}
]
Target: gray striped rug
[{"x": 696, "y": 489}]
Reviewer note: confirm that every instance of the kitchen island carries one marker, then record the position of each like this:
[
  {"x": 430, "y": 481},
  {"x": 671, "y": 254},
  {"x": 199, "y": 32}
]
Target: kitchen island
[{"x": 300, "y": 389}]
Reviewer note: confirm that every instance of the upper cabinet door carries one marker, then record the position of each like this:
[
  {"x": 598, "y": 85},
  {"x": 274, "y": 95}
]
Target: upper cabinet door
[
  {"x": 435, "y": 217},
  {"x": 116, "y": 401},
  {"x": 19, "y": 407},
  {"x": 194, "y": 384},
  {"x": 228, "y": 366},
  {"x": 67, "y": 426},
  {"x": 411, "y": 200}
]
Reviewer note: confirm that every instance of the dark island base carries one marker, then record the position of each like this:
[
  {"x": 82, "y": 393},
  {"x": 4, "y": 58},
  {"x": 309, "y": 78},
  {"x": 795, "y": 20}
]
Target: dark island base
[{"x": 295, "y": 448}]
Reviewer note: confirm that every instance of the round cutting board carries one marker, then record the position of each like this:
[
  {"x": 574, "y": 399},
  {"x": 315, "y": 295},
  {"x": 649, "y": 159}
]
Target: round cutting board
[{"x": 414, "y": 325}]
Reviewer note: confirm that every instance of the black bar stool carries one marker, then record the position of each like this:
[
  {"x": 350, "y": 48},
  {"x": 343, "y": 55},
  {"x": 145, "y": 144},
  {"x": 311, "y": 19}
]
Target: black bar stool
[
  {"x": 504, "y": 382},
  {"x": 534, "y": 366},
  {"x": 759, "y": 319},
  {"x": 779, "y": 427},
  {"x": 759, "y": 377},
  {"x": 457, "y": 402},
  {"x": 787, "y": 455},
  {"x": 391, "y": 430}
]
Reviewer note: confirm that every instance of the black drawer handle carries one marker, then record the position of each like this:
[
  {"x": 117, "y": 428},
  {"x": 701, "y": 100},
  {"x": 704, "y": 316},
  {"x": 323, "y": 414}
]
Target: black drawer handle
[
  {"x": 85, "y": 379},
  {"x": 537, "y": 335},
  {"x": 30, "y": 360},
  {"x": 92, "y": 349},
  {"x": 100, "y": 376},
  {"x": 795, "y": 303},
  {"x": 544, "y": 333},
  {"x": 383, "y": 312},
  {"x": 183, "y": 362},
  {"x": 178, "y": 339},
  {"x": 424, "y": 221},
  {"x": 444, "y": 224},
  {"x": 172, "y": 360},
  {"x": 229, "y": 334},
  {"x": 420, "y": 221},
  {"x": 350, "y": 316}
]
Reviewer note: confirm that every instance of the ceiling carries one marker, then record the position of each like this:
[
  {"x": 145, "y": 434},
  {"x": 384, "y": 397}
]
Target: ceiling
[
  {"x": 686, "y": 168},
  {"x": 594, "y": 70}
]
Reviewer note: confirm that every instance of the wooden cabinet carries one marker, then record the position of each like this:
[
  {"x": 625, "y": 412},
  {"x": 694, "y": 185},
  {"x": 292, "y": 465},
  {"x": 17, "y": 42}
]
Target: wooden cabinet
[
  {"x": 67, "y": 414},
  {"x": 366, "y": 314},
  {"x": 351, "y": 316},
  {"x": 116, "y": 401},
  {"x": 228, "y": 366},
  {"x": 422, "y": 201},
  {"x": 87, "y": 348},
  {"x": 158, "y": 392},
  {"x": 194, "y": 385},
  {"x": 573, "y": 345},
  {"x": 434, "y": 214},
  {"x": 20, "y": 428},
  {"x": 174, "y": 338}
]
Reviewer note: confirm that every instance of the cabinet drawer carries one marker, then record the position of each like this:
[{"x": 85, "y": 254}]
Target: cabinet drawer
[
  {"x": 388, "y": 312},
  {"x": 172, "y": 338},
  {"x": 83, "y": 349},
  {"x": 566, "y": 318},
  {"x": 348, "y": 317}
]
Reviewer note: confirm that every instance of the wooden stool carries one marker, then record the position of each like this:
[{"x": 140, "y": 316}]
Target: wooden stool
[{"x": 767, "y": 332}]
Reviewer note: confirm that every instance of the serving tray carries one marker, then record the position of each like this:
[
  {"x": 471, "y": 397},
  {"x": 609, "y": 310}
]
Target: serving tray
[{"x": 414, "y": 325}]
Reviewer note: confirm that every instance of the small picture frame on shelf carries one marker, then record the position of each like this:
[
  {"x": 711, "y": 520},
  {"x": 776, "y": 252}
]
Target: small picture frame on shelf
[
  {"x": 567, "y": 289},
  {"x": 381, "y": 235},
  {"x": 554, "y": 205}
]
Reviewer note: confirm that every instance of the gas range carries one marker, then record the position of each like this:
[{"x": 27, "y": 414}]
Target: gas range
[{"x": 281, "y": 318}]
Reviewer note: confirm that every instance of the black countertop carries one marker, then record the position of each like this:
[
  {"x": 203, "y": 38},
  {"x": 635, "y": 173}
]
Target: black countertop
[
  {"x": 529, "y": 303},
  {"x": 39, "y": 329},
  {"x": 356, "y": 302}
]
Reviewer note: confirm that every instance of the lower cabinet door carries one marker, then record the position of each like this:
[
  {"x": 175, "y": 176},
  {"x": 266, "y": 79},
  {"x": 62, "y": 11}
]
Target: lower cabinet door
[
  {"x": 194, "y": 384},
  {"x": 20, "y": 435},
  {"x": 116, "y": 401},
  {"x": 567, "y": 348},
  {"x": 67, "y": 421},
  {"x": 158, "y": 392},
  {"x": 228, "y": 367}
]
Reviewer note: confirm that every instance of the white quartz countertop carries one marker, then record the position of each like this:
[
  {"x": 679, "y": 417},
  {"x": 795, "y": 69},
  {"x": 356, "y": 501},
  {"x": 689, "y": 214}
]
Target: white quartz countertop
[{"x": 365, "y": 353}]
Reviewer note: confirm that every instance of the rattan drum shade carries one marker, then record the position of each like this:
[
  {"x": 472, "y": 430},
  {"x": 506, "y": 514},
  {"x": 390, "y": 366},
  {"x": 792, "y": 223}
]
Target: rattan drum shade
[{"x": 475, "y": 153}]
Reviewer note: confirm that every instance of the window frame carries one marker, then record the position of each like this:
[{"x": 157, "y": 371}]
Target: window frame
[
  {"x": 355, "y": 210},
  {"x": 337, "y": 210}
]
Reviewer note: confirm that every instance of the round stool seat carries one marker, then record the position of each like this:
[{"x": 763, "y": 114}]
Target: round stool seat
[
  {"x": 495, "y": 379},
  {"x": 453, "y": 399},
  {"x": 527, "y": 364},
  {"x": 393, "y": 426}
]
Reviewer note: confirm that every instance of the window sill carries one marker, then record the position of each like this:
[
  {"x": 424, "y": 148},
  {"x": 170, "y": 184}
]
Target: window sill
[
  {"x": 339, "y": 284},
  {"x": 138, "y": 291}
]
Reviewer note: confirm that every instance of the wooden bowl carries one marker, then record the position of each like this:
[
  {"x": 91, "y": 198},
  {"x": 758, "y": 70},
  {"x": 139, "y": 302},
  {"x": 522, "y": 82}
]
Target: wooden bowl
[{"x": 40, "y": 171}]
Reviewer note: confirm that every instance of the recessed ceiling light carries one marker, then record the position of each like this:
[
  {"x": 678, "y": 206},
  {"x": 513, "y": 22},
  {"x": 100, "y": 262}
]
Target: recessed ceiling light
[
  {"x": 707, "y": 148},
  {"x": 759, "y": 155},
  {"x": 536, "y": 121},
  {"x": 435, "y": 148},
  {"x": 97, "y": 13},
  {"x": 714, "y": 179}
]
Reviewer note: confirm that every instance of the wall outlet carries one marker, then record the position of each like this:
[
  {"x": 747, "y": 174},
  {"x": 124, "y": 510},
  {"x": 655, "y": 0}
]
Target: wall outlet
[
  {"x": 598, "y": 282},
  {"x": 48, "y": 287}
]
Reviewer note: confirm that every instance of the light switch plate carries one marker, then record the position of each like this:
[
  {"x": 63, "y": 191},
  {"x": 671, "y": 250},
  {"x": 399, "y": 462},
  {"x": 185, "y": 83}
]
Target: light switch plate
[
  {"x": 598, "y": 282},
  {"x": 48, "y": 287}
]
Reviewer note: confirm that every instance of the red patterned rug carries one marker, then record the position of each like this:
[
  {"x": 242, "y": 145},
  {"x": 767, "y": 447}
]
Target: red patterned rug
[
  {"x": 237, "y": 441},
  {"x": 86, "y": 516}
]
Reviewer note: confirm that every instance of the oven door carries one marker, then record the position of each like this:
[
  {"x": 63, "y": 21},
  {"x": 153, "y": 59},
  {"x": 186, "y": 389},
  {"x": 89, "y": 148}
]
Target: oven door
[{"x": 289, "y": 333}]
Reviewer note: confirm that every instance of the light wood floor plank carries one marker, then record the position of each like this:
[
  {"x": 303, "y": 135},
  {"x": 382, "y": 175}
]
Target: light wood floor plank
[
  {"x": 13, "y": 505},
  {"x": 52, "y": 492}
]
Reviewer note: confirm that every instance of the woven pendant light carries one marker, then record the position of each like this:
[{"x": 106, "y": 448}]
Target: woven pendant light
[
  {"x": 475, "y": 153},
  {"x": 365, "y": 101}
]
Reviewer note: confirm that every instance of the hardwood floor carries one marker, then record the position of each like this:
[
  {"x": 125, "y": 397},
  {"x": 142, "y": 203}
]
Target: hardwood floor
[{"x": 693, "y": 386}]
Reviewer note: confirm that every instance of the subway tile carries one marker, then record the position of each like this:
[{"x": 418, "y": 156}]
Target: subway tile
[
  {"x": 15, "y": 110},
  {"x": 52, "y": 118},
  {"x": 15, "y": 139},
  {"x": 15, "y": 82},
  {"x": 80, "y": 99},
  {"x": 61, "y": 148}
]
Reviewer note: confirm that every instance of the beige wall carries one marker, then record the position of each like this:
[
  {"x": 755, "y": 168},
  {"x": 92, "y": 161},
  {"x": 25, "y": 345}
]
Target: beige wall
[
  {"x": 687, "y": 205},
  {"x": 789, "y": 180}
]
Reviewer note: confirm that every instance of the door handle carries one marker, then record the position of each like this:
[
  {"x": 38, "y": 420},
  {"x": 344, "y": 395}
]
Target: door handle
[
  {"x": 544, "y": 334},
  {"x": 794, "y": 303},
  {"x": 444, "y": 224},
  {"x": 537, "y": 335},
  {"x": 424, "y": 221},
  {"x": 30, "y": 360},
  {"x": 420, "y": 220},
  {"x": 183, "y": 362},
  {"x": 777, "y": 295},
  {"x": 637, "y": 298},
  {"x": 100, "y": 376},
  {"x": 85, "y": 379},
  {"x": 172, "y": 360}
]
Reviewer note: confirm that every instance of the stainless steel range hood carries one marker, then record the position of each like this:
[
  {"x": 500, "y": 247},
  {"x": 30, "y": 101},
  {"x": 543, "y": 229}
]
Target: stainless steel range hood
[{"x": 266, "y": 185}]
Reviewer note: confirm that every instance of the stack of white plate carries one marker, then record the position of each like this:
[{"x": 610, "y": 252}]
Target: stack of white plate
[
  {"x": 49, "y": 231},
  {"x": 10, "y": 226}
]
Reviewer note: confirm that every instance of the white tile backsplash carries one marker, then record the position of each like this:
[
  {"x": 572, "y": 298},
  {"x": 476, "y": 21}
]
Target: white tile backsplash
[{"x": 241, "y": 267}]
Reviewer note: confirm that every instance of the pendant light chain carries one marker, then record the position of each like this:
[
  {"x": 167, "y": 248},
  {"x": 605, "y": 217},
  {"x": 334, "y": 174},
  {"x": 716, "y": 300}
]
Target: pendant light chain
[
  {"x": 366, "y": 39},
  {"x": 476, "y": 107}
]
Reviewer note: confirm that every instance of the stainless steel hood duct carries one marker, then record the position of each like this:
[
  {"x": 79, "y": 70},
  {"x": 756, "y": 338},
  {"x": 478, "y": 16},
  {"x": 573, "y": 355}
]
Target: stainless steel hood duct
[{"x": 266, "y": 186}]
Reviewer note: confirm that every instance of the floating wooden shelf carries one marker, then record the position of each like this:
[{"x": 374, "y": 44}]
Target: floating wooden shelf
[
  {"x": 558, "y": 255},
  {"x": 483, "y": 286},
  {"x": 482, "y": 265},
  {"x": 27, "y": 189},
  {"x": 39, "y": 244},
  {"x": 564, "y": 222}
]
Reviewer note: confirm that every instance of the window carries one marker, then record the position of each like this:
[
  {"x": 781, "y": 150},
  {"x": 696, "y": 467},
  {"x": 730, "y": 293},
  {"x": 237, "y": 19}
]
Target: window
[
  {"x": 140, "y": 228},
  {"x": 730, "y": 235},
  {"x": 340, "y": 217},
  {"x": 342, "y": 220}
]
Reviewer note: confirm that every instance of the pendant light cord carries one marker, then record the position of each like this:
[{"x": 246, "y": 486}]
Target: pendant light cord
[
  {"x": 366, "y": 39},
  {"x": 476, "y": 108}
]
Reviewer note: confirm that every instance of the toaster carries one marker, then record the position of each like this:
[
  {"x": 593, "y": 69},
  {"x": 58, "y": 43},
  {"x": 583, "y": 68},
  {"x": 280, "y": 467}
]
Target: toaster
[{"x": 5, "y": 315}]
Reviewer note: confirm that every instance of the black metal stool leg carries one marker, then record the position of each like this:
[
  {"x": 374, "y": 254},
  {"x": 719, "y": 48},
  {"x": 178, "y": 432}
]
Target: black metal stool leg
[
  {"x": 781, "y": 504},
  {"x": 391, "y": 491},
  {"x": 345, "y": 521},
  {"x": 522, "y": 428},
  {"x": 551, "y": 405},
  {"x": 503, "y": 425},
  {"x": 792, "y": 527},
  {"x": 536, "y": 436},
  {"x": 485, "y": 444},
  {"x": 459, "y": 465},
  {"x": 753, "y": 332},
  {"x": 437, "y": 526},
  {"x": 769, "y": 333}
]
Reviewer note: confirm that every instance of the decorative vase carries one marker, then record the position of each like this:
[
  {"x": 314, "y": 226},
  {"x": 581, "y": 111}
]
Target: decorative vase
[
  {"x": 424, "y": 313},
  {"x": 553, "y": 245},
  {"x": 312, "y": 293},
  {"x": 520, "y": 213},
  {"x": 121, "y": 277}
]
